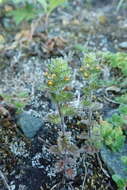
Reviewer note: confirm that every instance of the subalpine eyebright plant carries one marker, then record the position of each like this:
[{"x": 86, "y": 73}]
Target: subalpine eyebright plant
[{"x": 58, "y": 78}]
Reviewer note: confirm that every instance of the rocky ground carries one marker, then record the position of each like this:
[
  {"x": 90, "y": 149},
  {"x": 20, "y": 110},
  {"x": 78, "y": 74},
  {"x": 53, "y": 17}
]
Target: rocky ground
[{"x": 25, "y": 159}]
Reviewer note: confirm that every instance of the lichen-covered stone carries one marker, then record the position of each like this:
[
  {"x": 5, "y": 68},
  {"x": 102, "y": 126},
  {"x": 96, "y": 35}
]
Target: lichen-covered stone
[{"x": 29, "y": 124}]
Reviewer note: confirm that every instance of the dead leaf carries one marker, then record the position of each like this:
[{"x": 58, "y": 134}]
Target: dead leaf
[
  {"x": 24, "y": 35},
  {"x": 54, "y": 43},
  {"x": 70, "y": 173}
]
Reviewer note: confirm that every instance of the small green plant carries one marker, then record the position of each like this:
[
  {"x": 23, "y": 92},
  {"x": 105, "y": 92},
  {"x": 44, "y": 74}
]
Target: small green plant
[
  {"x": 123, "y": 109},
  {"x": 29, "y": 11},
  {"x": 116, "y": 60},
  {"x": 116, "y": 120},
  {"x": 58, "y": 84},
  {"x": 112, "y": 136},
  {"x": 90, "y": 71},
  {"x": 58, "y": 78},
  {"x": 121, "y": 183},
  {"x": 19, "y": 100},
  {"x": 109, "y": 135},
  {"x": 120, "y": 119},
  {"x": 122, "y": 99}
]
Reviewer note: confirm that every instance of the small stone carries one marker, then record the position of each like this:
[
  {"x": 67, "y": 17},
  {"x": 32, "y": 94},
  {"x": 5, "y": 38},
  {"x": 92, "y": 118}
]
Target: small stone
[
  {"x": 123, "y": 45},
  {"x": 29, "y": 124}
]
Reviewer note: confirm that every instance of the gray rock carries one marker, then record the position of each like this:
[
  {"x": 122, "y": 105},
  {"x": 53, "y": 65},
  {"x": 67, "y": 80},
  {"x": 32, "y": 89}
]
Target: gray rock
[
  {"x": 123, "y": 45},
  {"x": 113, "y": 161},
  {"x": 29, "y": 124},
  {"x": 110, "y": 112}
]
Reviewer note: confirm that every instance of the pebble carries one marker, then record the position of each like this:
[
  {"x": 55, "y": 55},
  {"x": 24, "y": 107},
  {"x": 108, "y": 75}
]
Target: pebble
[
  {"x": 123, "y": 45},
  {"x": 29, "y": 124}
]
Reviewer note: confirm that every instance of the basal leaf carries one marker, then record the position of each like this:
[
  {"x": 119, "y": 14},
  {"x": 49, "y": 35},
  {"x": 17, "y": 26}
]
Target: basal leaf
[{"x": 24, "y": 13}]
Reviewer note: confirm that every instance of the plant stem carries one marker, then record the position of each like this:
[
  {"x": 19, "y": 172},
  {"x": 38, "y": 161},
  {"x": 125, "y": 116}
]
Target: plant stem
[
  {"x": 46, "y": 23},
  {"x": 90, "y": 117},
  {"x": 63, "y": 126},
  {"x": 84, "y": 180},
  {"x": 119, "y": 5}
]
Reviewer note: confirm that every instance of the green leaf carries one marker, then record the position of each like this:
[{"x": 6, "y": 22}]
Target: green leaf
[
  {"x": 44, "y": 4},
  {"x": 19, "y": 105},
  {"x": 123, "y": 109},
  {"x": 68, "y": 110},
  {"x": 54, "y": 118},
  {"x": 54, "y": 4},
  {"x": 63, "y": 96},
  {"x": 116, "y": 120},
  {"x": 122, "y": 99},
  {"x": 112, "y": 136},
  {"x": 27, "y": 13},
  {"x": 121, "y": 183}
]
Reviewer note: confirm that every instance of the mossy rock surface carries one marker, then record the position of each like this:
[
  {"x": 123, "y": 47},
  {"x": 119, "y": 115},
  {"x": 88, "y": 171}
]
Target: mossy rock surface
[{"x": 113, "y": 161}]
